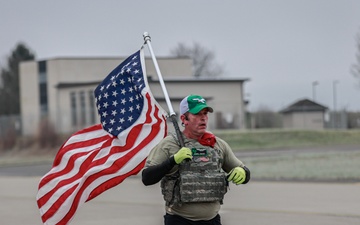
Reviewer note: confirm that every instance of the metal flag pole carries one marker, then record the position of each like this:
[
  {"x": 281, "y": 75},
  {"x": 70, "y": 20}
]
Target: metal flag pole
[{"x": 172, "y": 114}]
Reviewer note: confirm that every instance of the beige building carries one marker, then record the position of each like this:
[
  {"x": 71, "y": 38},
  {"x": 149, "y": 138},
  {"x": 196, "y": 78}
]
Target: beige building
[
  {"x": 61, "y": 90},
  {"x": 304, "y": 114}
]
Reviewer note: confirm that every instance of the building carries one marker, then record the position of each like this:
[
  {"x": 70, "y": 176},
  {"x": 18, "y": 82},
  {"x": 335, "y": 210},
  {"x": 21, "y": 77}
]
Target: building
[
  {"x": 304, "y": 114},
  {"x": 60, "y": 90}
]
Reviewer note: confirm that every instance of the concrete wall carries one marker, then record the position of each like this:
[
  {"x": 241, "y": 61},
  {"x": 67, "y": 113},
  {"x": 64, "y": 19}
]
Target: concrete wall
[
  {"x": 226, "y": 97},
  {"x": 29, "y": 97},
  {"x": 304, "y": 120}
]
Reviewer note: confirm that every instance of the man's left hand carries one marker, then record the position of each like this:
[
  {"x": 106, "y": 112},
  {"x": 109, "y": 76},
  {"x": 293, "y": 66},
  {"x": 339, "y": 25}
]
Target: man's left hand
[{"x": 237, "y": 175}]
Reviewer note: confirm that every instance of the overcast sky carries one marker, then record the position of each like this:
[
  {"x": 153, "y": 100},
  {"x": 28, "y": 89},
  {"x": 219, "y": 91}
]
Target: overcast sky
[{"x": 282, "y": 46}]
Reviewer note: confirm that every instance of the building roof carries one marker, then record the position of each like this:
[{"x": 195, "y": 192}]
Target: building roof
[
  {"x": 204, "y": 79},
  {"x": 150, "y": 80},
  {"x": 106, "y": 58},
  {"x": 304, "y": 105}
]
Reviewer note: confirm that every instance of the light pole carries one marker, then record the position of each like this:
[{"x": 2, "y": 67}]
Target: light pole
[
  {"x": 334, "y": 99},
  {"x": 314, "y": 84}
]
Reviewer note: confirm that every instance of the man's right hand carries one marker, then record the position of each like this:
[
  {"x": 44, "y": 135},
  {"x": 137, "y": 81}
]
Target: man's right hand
[{"x": 182, "y": 154}]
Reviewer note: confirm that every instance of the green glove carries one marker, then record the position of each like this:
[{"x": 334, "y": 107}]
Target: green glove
[
  {"x": 237, "y": 175},
  {"x": 183, "y": 153}
]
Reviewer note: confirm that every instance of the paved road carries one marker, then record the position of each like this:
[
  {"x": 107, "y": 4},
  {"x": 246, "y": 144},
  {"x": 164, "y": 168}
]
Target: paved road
[
  {"x": 257, "y": 203},
  {"x": 25, "y": 170}
]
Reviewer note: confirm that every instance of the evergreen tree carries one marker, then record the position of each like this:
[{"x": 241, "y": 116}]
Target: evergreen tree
[{"x": 9, "y": 90}]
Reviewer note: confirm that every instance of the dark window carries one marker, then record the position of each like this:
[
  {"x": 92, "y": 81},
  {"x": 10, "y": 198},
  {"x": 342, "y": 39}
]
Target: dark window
[
  {"x": 43, "y": 87},
  {"x": 92, "y": 107},
  {"x": 82, "y": 108},
  {"x": 73, "y": 108}
]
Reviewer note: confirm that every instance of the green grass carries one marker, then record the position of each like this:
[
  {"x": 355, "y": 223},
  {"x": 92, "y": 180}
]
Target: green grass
[
  {"x": 330, "y": 166},
  {"x": 334, "y": 166},
  {"x": 319, "y": 166},
  {"x": 275, "y": 139}
]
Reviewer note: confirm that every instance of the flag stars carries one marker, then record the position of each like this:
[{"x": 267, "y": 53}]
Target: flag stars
[
  {"x": 131, "y": 99},
  {"x": 118, "y": 98}
]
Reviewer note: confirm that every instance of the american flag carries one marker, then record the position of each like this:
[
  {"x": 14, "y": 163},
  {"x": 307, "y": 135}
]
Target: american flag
[{"x": 102, "y": 156}]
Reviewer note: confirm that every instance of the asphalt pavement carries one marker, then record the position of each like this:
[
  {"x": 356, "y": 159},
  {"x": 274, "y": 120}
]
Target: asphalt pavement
[{"x": 256, "y": 203}]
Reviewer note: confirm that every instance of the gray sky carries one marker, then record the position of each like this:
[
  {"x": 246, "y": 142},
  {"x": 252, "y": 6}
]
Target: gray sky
[{"x": 282, "y": 46}]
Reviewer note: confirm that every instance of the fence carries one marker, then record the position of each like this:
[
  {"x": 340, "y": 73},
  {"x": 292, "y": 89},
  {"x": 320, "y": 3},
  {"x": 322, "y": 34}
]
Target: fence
[{"x": 10, "y": 129}]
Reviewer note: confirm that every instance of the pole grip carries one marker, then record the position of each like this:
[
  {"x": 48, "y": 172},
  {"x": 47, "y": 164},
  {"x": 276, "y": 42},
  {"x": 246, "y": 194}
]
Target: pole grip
[{"x": 177, "y": 130}]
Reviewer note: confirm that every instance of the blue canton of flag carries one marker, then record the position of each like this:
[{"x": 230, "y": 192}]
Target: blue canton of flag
[{"x": 118, "y": 98}]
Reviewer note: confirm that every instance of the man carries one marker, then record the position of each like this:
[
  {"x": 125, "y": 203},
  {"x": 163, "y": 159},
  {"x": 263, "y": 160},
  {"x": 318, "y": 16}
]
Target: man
[{"x": 194, "y": 178}]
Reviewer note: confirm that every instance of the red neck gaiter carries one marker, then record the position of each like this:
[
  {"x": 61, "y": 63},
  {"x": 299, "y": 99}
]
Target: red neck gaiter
[{"x": 208, "y": 139}]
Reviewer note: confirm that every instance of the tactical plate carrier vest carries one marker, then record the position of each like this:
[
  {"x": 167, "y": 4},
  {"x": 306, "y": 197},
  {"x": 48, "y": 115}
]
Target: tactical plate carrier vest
[{"x": 198, "y": 180}]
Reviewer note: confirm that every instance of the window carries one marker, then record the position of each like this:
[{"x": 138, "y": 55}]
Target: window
[
  {"x": 73, "y": 108},
  {"x": 82, "y": 108},
  {"x": 92, "y": 107},
  {"x": 43, "y": 88}
]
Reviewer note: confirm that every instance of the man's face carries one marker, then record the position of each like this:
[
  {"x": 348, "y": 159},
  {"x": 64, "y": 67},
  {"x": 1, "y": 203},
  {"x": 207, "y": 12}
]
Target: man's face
[{"x": 197, "y": 123}]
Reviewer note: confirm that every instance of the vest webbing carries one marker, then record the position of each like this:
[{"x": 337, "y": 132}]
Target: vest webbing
[{"x": 199, "y": 180}]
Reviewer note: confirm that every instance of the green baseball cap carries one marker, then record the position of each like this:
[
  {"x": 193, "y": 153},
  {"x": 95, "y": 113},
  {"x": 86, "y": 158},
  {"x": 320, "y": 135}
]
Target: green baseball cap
[{"x": 193, "y": 104}]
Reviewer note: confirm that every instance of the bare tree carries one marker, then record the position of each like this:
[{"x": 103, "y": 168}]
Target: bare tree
[
  {"x": 355, "y": 69},
  {"x": 204, "y": 64},
  {"x": 265, "y": 117}
]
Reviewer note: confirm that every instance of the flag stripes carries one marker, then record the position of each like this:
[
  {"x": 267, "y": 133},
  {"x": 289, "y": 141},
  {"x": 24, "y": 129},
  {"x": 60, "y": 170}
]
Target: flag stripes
[{"x": 92, "y": 161}]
